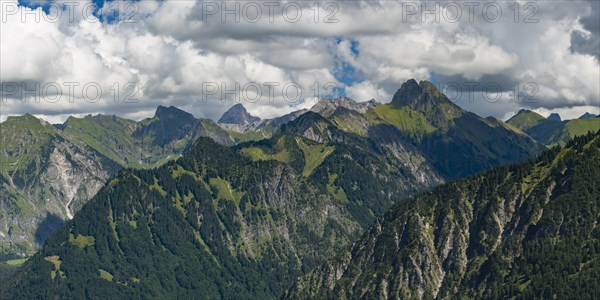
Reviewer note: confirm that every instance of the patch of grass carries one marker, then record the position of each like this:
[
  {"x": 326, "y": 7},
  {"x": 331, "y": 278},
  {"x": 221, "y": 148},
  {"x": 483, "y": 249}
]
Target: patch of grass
[
  {"x": 55, "y": 260},
  {"x": 314, "y": 154},
  {"x": 157, "y": 187},
  {"x": 406, "y": 119},
  {"x": 240, "y": 137},
  {"x": 259, "y": 153},
  {"x": 16, "y": 262},
  {"x": 81, "y": 241},
  {"x": 105, "y": 275},
  {"x": 225, "y": 191},
  {"x": 337, "y": 192}
]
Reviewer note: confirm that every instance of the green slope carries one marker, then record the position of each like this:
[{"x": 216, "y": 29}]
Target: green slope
[
  {"x": 219, "y": 222},
  {"x": 553, "y": 133},
  {"x": 109, "y": 135},
  {"x": 409, "y": 121},
  {"x": 526, "y": 119},
  {"x": 48, "y": 172},
  {"x": 524, "y": 231},
  {"x": 457, "y": 143}
]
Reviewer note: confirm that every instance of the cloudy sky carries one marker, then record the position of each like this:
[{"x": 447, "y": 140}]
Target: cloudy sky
[{"x": 125, "y": 58}]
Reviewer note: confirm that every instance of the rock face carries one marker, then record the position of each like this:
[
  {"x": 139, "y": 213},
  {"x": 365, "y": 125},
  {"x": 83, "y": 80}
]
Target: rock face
[
  {"x": 326, "y": 107},
  {"x": 48, "y": 173},
  {"x": 239, "y": 119},
  {"x": 517, "y": 231},
  {"x": 239, "y": 222},
  {"x": 45, "y": 178}
]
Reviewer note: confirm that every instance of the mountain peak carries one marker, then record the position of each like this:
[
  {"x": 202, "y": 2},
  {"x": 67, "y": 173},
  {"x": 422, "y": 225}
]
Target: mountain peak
[
  {"x": 408, "y": 93},
  {"x": 587, "y": 115},
  {"x": 171, "y": 112},
  {"x": 326, "y": 107},
  {"x": 554, "y": 117},
  {"x": 415, "y": 94},
  {"x": 526, "y": 119},
  {"x": 428, "y": 100},
  {"x": 238, "y": 118}
]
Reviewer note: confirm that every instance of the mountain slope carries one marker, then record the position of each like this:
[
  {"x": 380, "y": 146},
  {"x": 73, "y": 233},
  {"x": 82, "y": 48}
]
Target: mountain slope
[
  {"x": 45, "y": 178},
  {"x": 552, "y": 132},
  {"x": 528, "y": 231},
  {"x": 526, "y": 119},
  {"x": 48, "y": 172},
  {"x": 456, "y": 142},
  {"x": 225, "y": 222},
  {"x": 238, "y": 118},
  {"x": 326, "y": 107}
]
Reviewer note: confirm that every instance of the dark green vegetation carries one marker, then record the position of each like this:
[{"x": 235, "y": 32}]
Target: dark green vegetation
[
  {"x": 48, "y": 172},
  {"x": 553, "y": 132},
  {"x": 456, "y": 142},
  {"x": 245, "y": 220},
  {"x": 524, "y": 231},
  {"x": 218, "y": 222}
]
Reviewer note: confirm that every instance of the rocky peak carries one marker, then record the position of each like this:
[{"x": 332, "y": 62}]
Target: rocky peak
[
  {"x": 408, "y": 93},
  {"x": 587, "y": 115},
  {"x": 554, "y": 117},
  {"x": 428, "y": 100},
  {"x": 422, "y": 95},
  {"x": 238, "y": 118},
  {"x": 169, "y": 113},
  {"x": 326, "y": 107}
]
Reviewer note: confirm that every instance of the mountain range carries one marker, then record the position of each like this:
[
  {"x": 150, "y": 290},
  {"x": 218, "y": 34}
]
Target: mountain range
[
  {"x": 553, "y": 131},
  {"x": 48, "y": 172},
  {"x": 525, "y": 231},
  {"x": 237, "y": 208}
]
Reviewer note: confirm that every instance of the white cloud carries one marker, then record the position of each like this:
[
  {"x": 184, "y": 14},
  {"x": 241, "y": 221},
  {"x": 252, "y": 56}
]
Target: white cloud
[
  {"x": 170, "y": 52},
  {"x": 364, "y": 91}
]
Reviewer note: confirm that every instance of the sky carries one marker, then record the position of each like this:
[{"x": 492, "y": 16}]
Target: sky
[{"x": 61, "y": 58}]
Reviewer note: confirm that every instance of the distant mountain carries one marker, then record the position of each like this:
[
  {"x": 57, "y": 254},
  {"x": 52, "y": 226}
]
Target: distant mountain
[
  {"x": 252, "y": 215},
  {"x": 239, "y": 119},
  {"x": 243, "y": 126},
  {"x": 49, "y": 172},
  {"x": 552, "y": 132},
  {"x": 326, "y": 107},
  {"x": 554, "y": 117},
  {"x": 238, "y": 222},
  {"x": 526, "y": 119},
  {"x": 524, "y": 231},
  {"x": 44, "y": 178},
  {"x": 456, "y": 142},
  {"x": 587, "y": 115}
]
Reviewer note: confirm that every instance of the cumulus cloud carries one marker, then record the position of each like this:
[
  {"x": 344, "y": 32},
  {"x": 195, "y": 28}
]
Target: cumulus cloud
[{"x": 147, "y": 53}]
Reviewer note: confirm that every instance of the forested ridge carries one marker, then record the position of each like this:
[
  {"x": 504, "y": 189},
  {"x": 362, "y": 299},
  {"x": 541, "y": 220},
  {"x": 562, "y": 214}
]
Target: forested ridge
[{"x": 525, "y": 231}]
